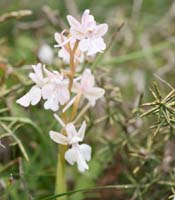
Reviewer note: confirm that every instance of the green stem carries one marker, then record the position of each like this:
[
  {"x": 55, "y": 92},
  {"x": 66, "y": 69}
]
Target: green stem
[{"x": 60, "y": 186}]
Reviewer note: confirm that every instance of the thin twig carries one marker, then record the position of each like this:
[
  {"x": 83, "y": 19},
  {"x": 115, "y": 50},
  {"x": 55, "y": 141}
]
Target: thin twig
[
  {"x": 163, "y": 81},
  {"x": 15, "y": 14}
]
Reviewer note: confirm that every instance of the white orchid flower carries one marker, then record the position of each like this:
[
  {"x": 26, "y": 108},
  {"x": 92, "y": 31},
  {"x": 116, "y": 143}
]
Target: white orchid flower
[
  {"x": 88, "y": 32},
  {"x": 51, "y": 86},
  {"x": 79, "y": 154},
  {"x": 56, "y": 91},
  {"x": 87, "y": 88},
  {"x": 84, "y": 85},
  {"x": 35, "y": 94}
]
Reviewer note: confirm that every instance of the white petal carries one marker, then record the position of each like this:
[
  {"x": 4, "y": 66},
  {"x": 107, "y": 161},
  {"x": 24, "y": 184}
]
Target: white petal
[
  {"x": 93, "y": 94},
  {"x": 51, "y": 104},
  {"x": 87, "y": 20},
  {"x": 24, "y": 100},
  {"x": 32, "y": 97},
  {"x": 77, "y": 33},
  {"x": 37, "y": 77},
  {"x": 74, "y": 155},
  {"x": 100, "y": 30},
  {"x": 85, "y": 151},
  {"x": 84, "y": 16},
  {"x": 62, "y": 53},
  {"x": 63, "y": 94},
  {"x": 35, "y": 94},
  {"x": 95, "y": 46},
  {"x": 81, "y": 131},
  {"x": 58, "y": 38},
  {"x": 87, "y": 79},
  {"x": 71, "y": 156},
  {"x": 47, "y": 91},
  {"x": 71, "y": 131},
  {"x": 100, "y": 44},
  {"x": 38, "y": 70},
  {"x": 58, "y": 137},
  {"x": 84, "y": 45},
  {"x": 73, "y": 22}
]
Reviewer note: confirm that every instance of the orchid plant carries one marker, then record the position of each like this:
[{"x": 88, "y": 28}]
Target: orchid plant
[{"x": 63, "y": 91}]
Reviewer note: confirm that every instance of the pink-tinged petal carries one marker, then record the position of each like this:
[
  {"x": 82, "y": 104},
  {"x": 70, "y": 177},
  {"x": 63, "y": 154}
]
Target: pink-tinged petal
[
  {"x": 73, "y": 22},
  {"x": 100, "y": 43},
  {"x": 84, "y": 45},
  {"x": 85, "y": 16},
  {"x": 100, "y": 30},
  {"x": 47, "y": 91},
  {"x": 87, "y": 79},
  {"x": 77, "y": 33},
  {"x": 63, "y": 94},
  {"x": 96, "y": 45},
  {"x": 52, "y": 103},
  {"x": 93, "y": 94},
  {"x": 87, "y": 20},
  {"x": 58, "y": 138},
  {"x": 81, "y": 131},
  {"x": 85, "y": 151}
]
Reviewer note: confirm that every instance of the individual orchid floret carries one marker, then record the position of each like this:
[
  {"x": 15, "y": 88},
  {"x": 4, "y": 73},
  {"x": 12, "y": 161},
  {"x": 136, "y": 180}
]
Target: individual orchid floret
[
  {"x": 56, "y": 91},
  {"x": 79, "y": 154},
  {"x": 35, "y": 93},
  {"x": 51, "y": 86},
  {"x": 65, "y": 43},
  {"x": 88, "y": 33},
  {"x": 84, "y": 85}
]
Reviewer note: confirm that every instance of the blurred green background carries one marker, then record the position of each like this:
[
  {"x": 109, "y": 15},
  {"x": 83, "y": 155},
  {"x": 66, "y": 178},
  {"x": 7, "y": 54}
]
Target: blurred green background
[{"x": 143, "y": 48}]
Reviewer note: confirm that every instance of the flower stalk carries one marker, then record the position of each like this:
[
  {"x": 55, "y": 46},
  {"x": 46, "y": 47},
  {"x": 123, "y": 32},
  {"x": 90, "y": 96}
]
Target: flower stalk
[{"x": 60, "y": 186}]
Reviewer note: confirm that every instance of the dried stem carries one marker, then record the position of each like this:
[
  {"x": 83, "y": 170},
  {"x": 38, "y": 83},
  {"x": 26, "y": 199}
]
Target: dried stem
[{"x": 15, "y": 14}]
